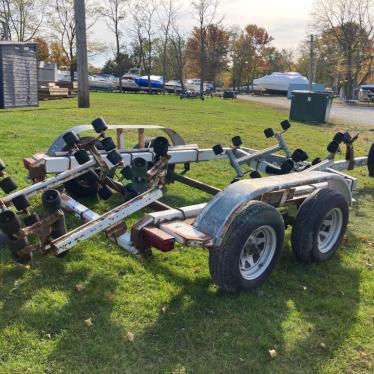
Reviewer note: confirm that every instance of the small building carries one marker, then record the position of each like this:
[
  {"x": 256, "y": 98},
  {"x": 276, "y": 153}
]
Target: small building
[
  {"x": 18, "y": 74},
  {"x": 47, "y": 72}
]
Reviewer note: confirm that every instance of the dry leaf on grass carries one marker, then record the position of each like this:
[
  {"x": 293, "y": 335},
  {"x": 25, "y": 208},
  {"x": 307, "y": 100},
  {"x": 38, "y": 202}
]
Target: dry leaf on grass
[
  {"x": 130, "y": 336},
  {"x": 88, "y": 322},
  {"x": 273, "y": 353},
  {"x": 80, "y": 287}
]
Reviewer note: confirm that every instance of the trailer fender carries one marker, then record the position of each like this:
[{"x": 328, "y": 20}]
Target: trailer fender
[{"x": 222, "y": 209}]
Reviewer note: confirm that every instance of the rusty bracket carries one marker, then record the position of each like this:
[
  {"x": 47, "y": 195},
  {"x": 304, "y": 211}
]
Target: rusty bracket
[
  {"x": 42, "y": 228},
  {"x": 278, "y": 198},
  {"x": 116, "y": 230}
]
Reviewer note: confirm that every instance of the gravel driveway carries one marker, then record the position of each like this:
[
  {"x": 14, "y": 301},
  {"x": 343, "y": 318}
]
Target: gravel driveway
[{"x": 340, "y": 113}]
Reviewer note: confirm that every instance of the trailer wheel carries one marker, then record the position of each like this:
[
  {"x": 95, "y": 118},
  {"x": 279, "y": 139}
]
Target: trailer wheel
[
  {"x": 319, "y": 226},
  {"x": 9, "y": 222},
  {"x": 249, "y": 250},
  {"x": 371, "y": 161}
]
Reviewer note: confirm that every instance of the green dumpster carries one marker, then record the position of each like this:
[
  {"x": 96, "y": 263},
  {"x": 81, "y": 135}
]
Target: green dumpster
[
  {"x": 307, "y": 106},
  {"x": 229, "y": 95}
]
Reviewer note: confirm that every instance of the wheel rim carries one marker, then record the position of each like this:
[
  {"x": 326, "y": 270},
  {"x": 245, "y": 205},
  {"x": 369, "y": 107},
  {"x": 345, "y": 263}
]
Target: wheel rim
[
  {"x": 257, "y": 252},
  {"x": 330, "y": 230}
]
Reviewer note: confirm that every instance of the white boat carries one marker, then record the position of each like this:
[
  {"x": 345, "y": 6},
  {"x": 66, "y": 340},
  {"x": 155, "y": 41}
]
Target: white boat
[
  {"x": 278, "y": 83},
  {"x": 173, "y": 86},
  {"x": 194, "y": 85},
  {"x": 102, "y": 82},
  {"x": 128, "y": 82}
]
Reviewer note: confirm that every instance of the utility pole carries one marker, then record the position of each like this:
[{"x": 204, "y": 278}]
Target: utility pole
[
  {"x": 311, "y": 63},
  {"x": 82, "y": 64}
]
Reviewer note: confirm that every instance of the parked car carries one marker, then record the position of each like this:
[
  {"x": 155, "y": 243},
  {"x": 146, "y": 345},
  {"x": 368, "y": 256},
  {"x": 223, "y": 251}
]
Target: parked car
[{"x": 366, "y": 93}]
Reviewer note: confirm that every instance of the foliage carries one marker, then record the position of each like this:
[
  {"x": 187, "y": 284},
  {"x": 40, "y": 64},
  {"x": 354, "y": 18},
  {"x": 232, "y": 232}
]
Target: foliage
[
  {"x": 58, "y": 55},
  {"x": 118, "y": 66},
  {"x": 251, "y": 53},
  {"x": 43, "y": 49},
  {"x": 349, "y": 28},
  {"x": 24, "y": 18},
  {"x": 216, "y": 52}
]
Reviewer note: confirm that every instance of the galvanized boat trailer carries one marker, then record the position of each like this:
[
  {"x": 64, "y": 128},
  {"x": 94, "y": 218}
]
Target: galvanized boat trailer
[{"x": 243, "y": 226}]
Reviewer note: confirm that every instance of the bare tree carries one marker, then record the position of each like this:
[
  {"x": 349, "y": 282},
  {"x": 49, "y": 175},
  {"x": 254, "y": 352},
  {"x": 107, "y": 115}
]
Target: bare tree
[
  {"x": 62, "y": 24},
  {"x": 144, "y": 17},
  {"x": 169, "y": 10},
  {"x": 351, "y": 24},
  {"x": 23, "y": 19},
  {"x": 179, "y": 46},
  {"x": 115, "y": 12},
  {"x": 205, "y": 13}
]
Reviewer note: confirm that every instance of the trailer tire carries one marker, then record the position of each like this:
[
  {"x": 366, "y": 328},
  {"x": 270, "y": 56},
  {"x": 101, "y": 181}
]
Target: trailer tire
[
  {"x": 228, "y": 263},
  {"x": 314, "y": 237},
  {"x": 371, "y": 161}
]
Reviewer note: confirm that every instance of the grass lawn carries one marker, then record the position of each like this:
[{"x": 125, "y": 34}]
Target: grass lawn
[{"x": 165, "y": 315}]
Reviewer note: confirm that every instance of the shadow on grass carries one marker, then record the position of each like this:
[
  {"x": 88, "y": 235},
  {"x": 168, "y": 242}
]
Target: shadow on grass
[
  {"x": 203, "y": 329},
  {"x": 33, "y": 109}
]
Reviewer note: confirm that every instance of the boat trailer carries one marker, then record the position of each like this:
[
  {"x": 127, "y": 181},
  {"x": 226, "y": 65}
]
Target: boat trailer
[{"x": 242, "y": 226}]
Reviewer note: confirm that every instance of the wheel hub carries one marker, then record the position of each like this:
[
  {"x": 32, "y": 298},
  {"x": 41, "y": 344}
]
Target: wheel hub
[
  {"x": 330, "y": 230},
  {"x": 257, "y": 252}
]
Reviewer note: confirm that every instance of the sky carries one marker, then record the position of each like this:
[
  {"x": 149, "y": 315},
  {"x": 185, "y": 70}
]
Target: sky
[{"x": 286, "y": 20}]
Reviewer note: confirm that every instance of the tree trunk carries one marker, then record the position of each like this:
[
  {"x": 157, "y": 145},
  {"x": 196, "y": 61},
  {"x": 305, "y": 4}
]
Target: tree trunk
[
  {"x": 349, "y": 76},
  {"x": 202, "y": 61},
  {"x": 118, "y": 59},
  {"x": 149, "y": 65},
  {"x": 164, "y": 68}
]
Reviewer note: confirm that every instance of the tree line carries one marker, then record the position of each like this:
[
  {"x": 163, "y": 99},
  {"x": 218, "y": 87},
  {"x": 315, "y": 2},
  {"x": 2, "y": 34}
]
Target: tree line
[{"x": 147, "y": 35}]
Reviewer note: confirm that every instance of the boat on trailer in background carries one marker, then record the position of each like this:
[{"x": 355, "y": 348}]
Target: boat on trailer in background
[{"x": 278, "y": 83}]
